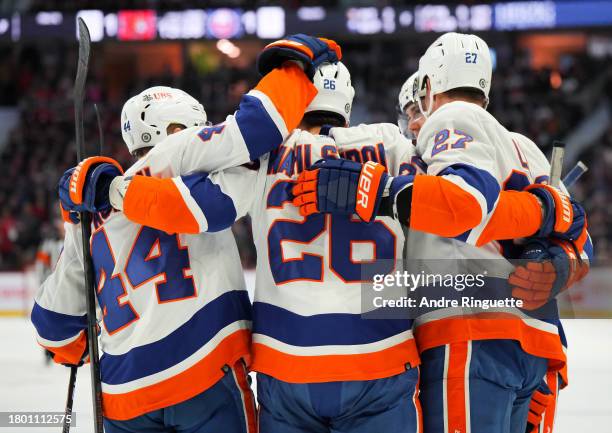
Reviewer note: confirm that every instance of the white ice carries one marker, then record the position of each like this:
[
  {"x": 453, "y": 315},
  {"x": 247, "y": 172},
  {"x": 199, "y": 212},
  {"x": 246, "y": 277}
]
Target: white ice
[{"x": 27, "y": 384}]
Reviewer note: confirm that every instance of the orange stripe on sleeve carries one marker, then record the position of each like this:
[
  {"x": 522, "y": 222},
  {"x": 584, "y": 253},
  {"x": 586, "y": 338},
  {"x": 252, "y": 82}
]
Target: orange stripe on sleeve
[
  {"x": 517, "y": 215},
  {"x": 71, "y": 353},
  {"x": 159, "y": 204},
  {"x": 442, "y": 208},
  {"x": 290, "y": 91}
]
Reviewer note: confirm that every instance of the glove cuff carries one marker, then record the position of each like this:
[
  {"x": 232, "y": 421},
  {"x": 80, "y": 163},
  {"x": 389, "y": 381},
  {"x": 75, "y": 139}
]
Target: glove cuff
[
  {"x": 116, "y": 191},
  {"x": 372, "y": 181}
]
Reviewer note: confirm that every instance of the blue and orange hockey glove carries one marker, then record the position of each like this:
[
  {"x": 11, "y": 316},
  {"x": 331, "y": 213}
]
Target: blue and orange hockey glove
[
  {"x": 339, "y": 186},
  {"x": 541, "y": 399},
  {"x": 84, "y": 188},
  {"x": 563, "y": 217},
  {"x": 548, "y": 267},
  {"x": 308, "y": 50}
]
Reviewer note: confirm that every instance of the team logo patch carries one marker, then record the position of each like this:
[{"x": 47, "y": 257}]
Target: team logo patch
[
  {"x": 347, "y": 108},
  {"x": 146, "y": 137},
  {"x": 483, "y": 83}
]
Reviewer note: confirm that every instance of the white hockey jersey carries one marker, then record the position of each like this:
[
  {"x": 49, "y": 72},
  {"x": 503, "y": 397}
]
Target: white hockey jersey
[
  {"x": 465, "y": 145},
  {"x": 307, "y": 311},
  {"x": 173, "y": 309},
  {"x": 308, "y": 324}
]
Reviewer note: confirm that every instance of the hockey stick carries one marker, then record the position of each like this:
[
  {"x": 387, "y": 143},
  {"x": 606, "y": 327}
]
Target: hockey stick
[
  {"x": 574, "y": 174},
  {"x": 556, "y": 163},
  {"x": 69, "y": 399},
  {"x": 100, "y": 133},
  {"x": 85, "y": 218}
]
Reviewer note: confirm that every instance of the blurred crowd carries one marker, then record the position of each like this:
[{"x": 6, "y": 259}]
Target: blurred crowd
[{"x": 539, "y": 103}]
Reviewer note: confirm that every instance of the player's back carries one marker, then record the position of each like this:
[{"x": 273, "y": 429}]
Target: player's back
[
  {"x": 174, "y": 309},
  {"x": 308, "y": 300},
  {"x": 469, "y": 147}
]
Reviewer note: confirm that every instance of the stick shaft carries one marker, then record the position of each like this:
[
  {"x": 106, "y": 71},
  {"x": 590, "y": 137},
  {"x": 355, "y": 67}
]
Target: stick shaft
[
  {"x": 574, "y": 174},
  {"x": 69, "y": 399},
  {"x": 556, "y": 163},
  {"x": 85, "y": 218}
]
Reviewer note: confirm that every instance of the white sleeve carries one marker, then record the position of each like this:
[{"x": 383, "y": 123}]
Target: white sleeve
[
  {"x": 256, "y": 128},
  {"x": 59, "y": 312}
]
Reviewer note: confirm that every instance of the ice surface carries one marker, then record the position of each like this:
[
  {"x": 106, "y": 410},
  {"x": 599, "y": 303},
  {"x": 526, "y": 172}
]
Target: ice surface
[{"x": 27, "y": 384}]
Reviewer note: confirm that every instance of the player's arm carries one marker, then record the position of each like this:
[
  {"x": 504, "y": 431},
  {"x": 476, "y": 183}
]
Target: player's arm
[
  {"x": 190, "y": 204},
  {"x": 459, "y": 198},
  {"x": 266, "y": 115},
  {"x": 445, "y": 204},
  {"x": 59, "y": 313}
]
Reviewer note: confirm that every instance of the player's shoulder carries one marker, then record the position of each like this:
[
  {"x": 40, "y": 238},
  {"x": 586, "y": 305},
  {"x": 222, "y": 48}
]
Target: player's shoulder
[
  {"x": 531, "y": 150},
  {"x": 465, "y": 117},
  {"x": 365, "y": 132},
  {"x": 300, "y": 137},
  {"x": 459, "y": 112}
]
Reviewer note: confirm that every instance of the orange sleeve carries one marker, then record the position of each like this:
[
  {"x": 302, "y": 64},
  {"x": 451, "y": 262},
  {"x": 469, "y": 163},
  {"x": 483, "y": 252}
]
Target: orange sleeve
[
  {"x": 159, "y": 204},
  {"x": 517, "y": 215},
  {"x": 71, "y": 353},
  {"x": 290, "y": 91},
  {"x": 442, "y": 208}
]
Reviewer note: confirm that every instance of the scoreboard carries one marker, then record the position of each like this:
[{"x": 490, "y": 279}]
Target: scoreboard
[{"x": 272, "y": 22}]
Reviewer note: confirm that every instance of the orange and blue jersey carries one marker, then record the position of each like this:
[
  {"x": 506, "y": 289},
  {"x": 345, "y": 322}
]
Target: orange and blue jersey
[
  {"x": 464, "y": 145},
  {"x": 172, "y": 305},
  {"x": 308, "y": 325}
]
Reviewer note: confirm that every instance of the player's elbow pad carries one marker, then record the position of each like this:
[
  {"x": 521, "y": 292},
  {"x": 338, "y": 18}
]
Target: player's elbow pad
[{"x": 442, "y": 208}]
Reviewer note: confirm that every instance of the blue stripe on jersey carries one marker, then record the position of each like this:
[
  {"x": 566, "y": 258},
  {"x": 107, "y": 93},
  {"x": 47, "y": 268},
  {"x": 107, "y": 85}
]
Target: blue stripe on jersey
[
  {"x": 323, "y": 329},
  {"x": 154, "y": 357},
  {"x": 56, "y": 326},
  {"x": 257, "y": 127},
  {"x": 480, "y": 179},
  {"x": 218, "y": 208}
]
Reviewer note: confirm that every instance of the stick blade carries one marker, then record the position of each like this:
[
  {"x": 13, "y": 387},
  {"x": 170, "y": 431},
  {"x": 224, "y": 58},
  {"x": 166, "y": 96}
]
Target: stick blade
[{"x": 79, "y": 85}]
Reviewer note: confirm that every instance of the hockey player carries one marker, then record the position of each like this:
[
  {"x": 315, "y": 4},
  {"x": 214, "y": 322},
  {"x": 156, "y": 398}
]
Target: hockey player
[
  {"x": 362, "y": 377},
  {"x": 175, "y": 359},
  {"x": 301, "y": 364},
  {"x": 467, "y": 357},
  {"x": 542, "y": 407},
  {"x": 409, "y": 118}
]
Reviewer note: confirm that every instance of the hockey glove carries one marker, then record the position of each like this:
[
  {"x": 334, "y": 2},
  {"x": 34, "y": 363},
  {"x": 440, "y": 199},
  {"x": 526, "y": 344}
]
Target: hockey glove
[
  {"x": 540, "y": 400},
  {"x": 339, "y": 186},
  {"x": 563, "y": 217},
  {"x": 85, "y": 188},
  {"x": 548, "y": 267},
  {"x": 71, "y": 217},
  {"x": 308, "y": 50}
]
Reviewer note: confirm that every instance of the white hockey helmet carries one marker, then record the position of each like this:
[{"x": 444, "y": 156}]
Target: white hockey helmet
[
  {"x": 146, "y": 116},
  {"x": 404, "y": 99},
  {"x": 406, "y": 93},
  {"x": 455, "y": 60},
  {"x": 333, "y": 81}
]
